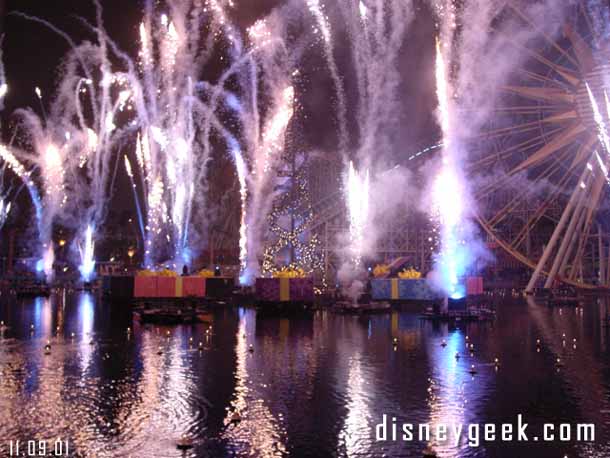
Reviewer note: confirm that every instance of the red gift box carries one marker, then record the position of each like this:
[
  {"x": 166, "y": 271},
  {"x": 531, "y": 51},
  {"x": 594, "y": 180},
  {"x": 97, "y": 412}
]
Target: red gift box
[
  {"x": 193, "y": 286},
  {"x": 474, "y": 286},
  {"x": 145, "y": 286},
  {"x": 166, "y": 287}
]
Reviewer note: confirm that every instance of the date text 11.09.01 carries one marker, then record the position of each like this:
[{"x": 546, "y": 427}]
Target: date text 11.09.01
[{"x": 38, "y": 448}]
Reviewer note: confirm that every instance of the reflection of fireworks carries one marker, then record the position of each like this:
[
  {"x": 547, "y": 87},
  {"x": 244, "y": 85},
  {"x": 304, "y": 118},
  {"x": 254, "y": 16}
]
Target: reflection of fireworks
[{"x": 357, "y": 196}]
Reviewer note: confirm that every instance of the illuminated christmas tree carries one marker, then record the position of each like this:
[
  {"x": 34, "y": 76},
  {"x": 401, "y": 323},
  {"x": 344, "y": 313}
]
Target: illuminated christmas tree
[{"x": 290, "y": 243}]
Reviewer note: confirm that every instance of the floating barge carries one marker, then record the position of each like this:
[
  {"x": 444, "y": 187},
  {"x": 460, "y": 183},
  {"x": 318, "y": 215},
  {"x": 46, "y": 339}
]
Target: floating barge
[
  {"x": 168, "y": 290},
  {"x": 351, "y": 308},
  {"x": 170, "y": 315}
]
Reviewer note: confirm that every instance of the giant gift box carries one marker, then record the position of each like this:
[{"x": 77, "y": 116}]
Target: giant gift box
[
  {"x": 474, "y": 286},
  {"x": 285, "y": 289},
  {"x": 402, "y": 289},
  {"x": 165, "y": 287},
  {"x": 193, "y": 286}
]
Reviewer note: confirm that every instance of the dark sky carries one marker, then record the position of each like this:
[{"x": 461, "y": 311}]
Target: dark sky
[{"x": 32, "y": 53}]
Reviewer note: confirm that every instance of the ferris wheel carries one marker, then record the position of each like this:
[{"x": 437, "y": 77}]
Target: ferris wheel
[{"x": 540, "y": 165}]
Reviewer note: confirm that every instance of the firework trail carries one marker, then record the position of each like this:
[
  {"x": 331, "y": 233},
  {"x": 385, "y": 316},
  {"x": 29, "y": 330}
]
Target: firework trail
[
  {"x": 5, "y": 204},
  {"x": 168, "y": 114},
  {"x": 449, "y": 195},
  {"x": 3, "y": 83},
  {"x": 602, "y": 130},
  {"x": 136, "y": 198},
  {"x": 265, "y": 71},
  {"x": 323, "y": 28},
  {"x": 74, "y": 142},
  {"x": 86, "y": 252},
  {"x": 155, "y": 97},
  {"x": 242, "y": 174},
  {"x": 15, "y": 165},
  {"x": 376, "y": 31},
  {"x": 467, "y": 98},
  {"x": 357, "y": 190},
  {"x": 51, "y": 152},
  {"x": 175, "y": 123}
]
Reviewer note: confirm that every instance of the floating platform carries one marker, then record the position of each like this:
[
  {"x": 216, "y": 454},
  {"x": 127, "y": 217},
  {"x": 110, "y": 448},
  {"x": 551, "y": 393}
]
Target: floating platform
[
  {"x": 171, "y": 315},
  {"x": 176, "y": 289},
  {"x": 351, "y": 308}
]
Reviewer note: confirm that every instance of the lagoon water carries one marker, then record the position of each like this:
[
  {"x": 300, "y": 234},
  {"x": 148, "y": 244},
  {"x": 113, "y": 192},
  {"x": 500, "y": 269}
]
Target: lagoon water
[{"x": 313, "y": 386}]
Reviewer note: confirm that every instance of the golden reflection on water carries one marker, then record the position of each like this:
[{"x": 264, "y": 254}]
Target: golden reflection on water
[{"x": 259, "y": 432}]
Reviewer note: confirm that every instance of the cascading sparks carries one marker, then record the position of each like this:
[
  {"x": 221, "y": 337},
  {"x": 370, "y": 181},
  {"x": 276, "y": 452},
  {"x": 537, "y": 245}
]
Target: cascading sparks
[
  {"x": 87, "y": 249},
  {"x": 599, "y": 119},
  {"x": 242, "y": 173},
  {"x": 357, "y": 197},
  {"x": 448, "y": 195}
]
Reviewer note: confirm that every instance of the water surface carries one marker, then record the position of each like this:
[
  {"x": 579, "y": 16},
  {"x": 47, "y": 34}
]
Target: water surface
[{"x": 304, "y": 387}]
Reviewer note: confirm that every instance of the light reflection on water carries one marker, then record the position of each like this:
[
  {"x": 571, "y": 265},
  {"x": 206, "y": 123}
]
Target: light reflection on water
[{"x": 313, "y": 386}]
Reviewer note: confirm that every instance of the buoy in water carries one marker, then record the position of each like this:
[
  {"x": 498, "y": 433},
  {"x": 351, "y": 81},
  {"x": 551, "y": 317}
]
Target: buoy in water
[
  {"x": 184, "y": 443},
  {"x": 160, "y": 351},
  {"x": 251, "y": 348},
  {"x": 472, "y": 370},
  {"x": 47, "y": 348},
  {"x": 457, "y": 355},
  {"x": 443, "y": 343}
]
